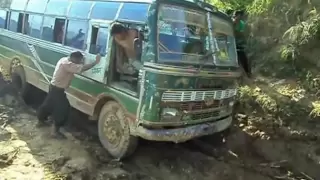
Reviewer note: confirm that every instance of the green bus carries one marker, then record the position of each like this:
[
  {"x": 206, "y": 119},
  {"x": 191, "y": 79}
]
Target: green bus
[{"x": 185, "y": 89}]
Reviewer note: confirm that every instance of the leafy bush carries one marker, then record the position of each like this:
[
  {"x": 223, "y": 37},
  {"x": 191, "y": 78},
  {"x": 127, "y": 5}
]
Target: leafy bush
[{"x": 253, "y": 7}]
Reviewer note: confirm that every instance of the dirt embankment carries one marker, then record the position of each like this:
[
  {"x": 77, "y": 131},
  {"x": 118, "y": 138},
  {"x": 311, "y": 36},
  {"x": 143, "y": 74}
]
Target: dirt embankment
[{"x": 28, "y": 152}]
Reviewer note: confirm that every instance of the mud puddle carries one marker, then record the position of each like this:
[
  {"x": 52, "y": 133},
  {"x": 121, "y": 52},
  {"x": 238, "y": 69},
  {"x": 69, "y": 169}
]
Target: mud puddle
[{"x": 28, "y": 152}]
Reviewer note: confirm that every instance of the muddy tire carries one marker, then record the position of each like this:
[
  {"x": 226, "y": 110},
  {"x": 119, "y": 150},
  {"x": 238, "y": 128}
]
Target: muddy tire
[
  {"x": 114, "y": 131},
  {"x": 19, "y": 81}
]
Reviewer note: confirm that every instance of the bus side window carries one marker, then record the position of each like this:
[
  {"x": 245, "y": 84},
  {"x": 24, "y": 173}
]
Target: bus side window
[
  {"x": 25, "y": 28},
  {"x": 76, "y": 34},
  {"x": 53, "y": 29},
  {"x": 3, "y": 19},
  {"x": 59, "y": 30},
  {"x": 32, "y": 25},
  {"x": 18, "y": 5},
  {"x": 99, "y": 40},
  {"x": 57, "y": 7},
  {"x": 100, "y": 8},
  {"x": 15, "y": 23},
  {"x": 134, "y": 11},
  {"x": 36, "y": 6},
  {"x": 80, "y": 9}
]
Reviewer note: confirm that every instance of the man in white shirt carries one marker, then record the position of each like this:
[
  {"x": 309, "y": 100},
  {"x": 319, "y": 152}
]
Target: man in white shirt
[{"x": 56, "y": 102}]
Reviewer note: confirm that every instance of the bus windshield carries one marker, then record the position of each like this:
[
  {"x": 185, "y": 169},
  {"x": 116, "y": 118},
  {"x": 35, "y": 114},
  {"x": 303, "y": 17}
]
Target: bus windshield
[
  {"x": 183, "y": 35},
  {"x": 224, "y": 42}
]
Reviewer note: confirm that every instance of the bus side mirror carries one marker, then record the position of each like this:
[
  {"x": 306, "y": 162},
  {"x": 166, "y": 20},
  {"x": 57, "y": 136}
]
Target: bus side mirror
[{"x": 137, "y": 42}]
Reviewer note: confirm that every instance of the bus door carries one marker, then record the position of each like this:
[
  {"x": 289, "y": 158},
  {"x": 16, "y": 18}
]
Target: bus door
[{"x": 98, "y": 43}]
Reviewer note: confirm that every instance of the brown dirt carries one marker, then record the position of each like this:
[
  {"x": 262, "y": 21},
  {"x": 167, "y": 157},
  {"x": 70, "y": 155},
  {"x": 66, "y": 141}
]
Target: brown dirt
[{"x": 28, "y": 152}]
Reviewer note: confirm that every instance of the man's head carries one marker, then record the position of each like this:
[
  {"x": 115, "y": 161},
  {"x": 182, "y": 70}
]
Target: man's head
[
  {"x": 119, "y": 31},
  {"x": 77, "y": 57},
  {"x": 238, "y": 15}
]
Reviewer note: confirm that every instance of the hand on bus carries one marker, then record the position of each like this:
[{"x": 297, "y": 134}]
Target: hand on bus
[{"x": 98, "y": 58}]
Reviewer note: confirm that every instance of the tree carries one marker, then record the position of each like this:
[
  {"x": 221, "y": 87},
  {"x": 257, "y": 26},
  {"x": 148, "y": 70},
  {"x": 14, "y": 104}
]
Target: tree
[{"x": 5, "y": 3}]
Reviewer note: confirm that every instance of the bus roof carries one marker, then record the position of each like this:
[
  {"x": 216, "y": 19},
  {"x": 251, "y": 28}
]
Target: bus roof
[
  {"x": 138, "y": 1},
  {"x": 7, "y": 5}
]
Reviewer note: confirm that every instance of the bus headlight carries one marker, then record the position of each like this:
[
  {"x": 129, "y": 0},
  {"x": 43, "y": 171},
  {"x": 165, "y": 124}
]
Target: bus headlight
[
  {"x": 231, "y": 103},
  {"x": 169, "y": 112}
]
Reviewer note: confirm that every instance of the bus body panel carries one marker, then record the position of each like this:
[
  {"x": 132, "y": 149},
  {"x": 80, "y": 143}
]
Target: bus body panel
[
  {"x": 176, "y": 91},
  {"x": 163, "y": 88},
  {"x": 83, "y": 93}
]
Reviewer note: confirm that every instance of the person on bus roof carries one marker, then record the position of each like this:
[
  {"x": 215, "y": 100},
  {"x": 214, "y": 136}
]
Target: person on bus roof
[
  {"x": 124, "y": 37},
  {"x": 239, "y": 27},
  {"x": 56, "y": 102}
]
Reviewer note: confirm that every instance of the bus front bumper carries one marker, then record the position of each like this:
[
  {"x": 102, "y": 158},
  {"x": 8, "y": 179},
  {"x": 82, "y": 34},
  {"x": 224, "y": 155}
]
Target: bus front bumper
[{"x": 183, "y": 134}]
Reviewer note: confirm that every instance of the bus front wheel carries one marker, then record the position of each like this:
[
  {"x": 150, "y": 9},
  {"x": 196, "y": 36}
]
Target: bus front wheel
[{"x": 114, "y": 131}]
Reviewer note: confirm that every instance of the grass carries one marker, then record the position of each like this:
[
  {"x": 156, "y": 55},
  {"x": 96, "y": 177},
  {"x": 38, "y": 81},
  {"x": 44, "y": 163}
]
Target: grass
[
  {"x": 252, "y": 96},
  {"x": 316, "y": 109},
  {"x": 272, "y": 107},
  {"x": 291, "y": 60}
]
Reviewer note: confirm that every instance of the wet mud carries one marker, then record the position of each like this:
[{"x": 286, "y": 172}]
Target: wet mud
[{"x": 28, "y": 152}]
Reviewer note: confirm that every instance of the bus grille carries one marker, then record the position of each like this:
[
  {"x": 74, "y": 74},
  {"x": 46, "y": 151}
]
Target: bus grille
[
  {"x": 187, "y": 96},
  {"x": 205, "y": 115}
]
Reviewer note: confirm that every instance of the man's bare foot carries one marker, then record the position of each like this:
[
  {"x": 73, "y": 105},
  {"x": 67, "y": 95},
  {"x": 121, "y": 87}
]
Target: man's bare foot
[
  {"x": 56, "y": 133},
  {"x": 42, "y": 124}
]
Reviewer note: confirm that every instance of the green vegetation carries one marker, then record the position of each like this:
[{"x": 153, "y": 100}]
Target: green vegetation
[
  {"x": 283, "y": 41},
  {"x": 251, "y": 6}
]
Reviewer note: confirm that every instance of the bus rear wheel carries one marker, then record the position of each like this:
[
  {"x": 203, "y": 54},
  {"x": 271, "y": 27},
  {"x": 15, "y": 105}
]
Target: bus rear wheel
[
  {"x": 114, "y": 131},
  {"x": 19, "y": 81}
]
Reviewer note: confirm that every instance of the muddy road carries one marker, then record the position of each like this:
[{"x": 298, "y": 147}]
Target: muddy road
[{"x": 28, "y": 152}]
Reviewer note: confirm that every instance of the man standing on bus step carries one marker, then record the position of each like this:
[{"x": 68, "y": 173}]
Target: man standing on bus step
[
  {"x": 239, "y": 27},
  {"x": 56, "y": 103},
  {"x": 124, "y": 37}
]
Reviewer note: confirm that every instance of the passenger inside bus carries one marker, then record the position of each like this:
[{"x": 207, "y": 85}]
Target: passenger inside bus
[
  {"x": 59, "y": 30},
  {"x": 126, "y": 61},
  {"x": 78, "y": 40},
  {"x": 26, "y": 29}
]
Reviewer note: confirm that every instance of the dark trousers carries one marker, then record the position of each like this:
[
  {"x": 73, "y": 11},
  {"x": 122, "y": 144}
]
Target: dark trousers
[
  {"x": 244, "y": 62},
  {"x": 57, "y": 105}
]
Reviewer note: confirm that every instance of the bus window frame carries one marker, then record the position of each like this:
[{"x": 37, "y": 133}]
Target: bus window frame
[
  {"x": 6, "y": 18},
  {"x": 36, "y": 12},
  {"x": 16, "y": 9},
  {"x": 98, "y": 25},
  {"x": 30, "y": 27},
  {"x": 68, "y": 14},
  {"x": 57, "y": 14},
  {"x": 67, "y": 20},
  {"x": 19, "y": 19},
  {"x": 115, "y": 15},
  {"x": 53, "y": 29},
  {"x": 131, "y": 19},
  {"x": 158, "y": 59}
]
